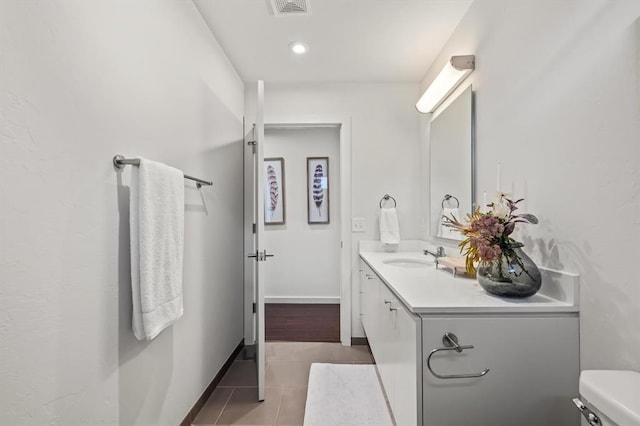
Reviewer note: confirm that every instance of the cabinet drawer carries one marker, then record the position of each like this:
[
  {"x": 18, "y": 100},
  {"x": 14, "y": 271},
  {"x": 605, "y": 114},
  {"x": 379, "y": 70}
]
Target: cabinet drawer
[{"x": 533, "y": 360}]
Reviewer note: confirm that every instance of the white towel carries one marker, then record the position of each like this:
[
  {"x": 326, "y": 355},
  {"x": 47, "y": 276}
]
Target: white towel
[
  {"x": 389, "y": 228},
  {"x": 445, "y": 231},
  {"x": 156, "y": 220}
]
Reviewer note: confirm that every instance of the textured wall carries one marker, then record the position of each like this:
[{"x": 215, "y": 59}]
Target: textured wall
[
  {"x": 79, "y": 82},
  {"x": 557, "y": 103}
]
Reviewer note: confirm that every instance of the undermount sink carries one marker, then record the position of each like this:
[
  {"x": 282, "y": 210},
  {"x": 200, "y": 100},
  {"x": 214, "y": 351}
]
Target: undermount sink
[{"x": 408, "y": 263}]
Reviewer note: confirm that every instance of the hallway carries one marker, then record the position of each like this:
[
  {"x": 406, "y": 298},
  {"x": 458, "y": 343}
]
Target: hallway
[{"x": 234, "y": 400}]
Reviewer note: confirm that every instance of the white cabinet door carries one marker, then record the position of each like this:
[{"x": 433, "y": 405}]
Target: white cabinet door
[
  {"x": 387, "y": 349},
  {"x": 533, "y": 364},
  {"x": 370, "y": 320},
  {"x": 363, "y": 288},
  {"x": 407, "y": 369}
]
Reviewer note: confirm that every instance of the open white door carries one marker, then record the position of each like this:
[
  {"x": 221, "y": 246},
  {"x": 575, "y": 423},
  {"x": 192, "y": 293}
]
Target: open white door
[{"x": 261, "y": 253}]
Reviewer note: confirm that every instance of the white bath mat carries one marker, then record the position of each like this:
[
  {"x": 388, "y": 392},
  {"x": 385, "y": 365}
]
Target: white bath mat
[{"x": 345, "y": 395}]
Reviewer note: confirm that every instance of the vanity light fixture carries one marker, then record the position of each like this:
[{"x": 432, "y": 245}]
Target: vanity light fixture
[
  {"x": 298, "y": 47},
  {"x": 456, "y": 70}
]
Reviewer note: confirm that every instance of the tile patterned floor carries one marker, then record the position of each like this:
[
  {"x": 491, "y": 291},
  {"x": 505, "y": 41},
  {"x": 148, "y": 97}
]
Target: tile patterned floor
[{"x": 234, "y": 402}]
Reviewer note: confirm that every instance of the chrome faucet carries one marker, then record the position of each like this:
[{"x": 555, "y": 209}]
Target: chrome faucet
[{"x": 437, "y": 254}]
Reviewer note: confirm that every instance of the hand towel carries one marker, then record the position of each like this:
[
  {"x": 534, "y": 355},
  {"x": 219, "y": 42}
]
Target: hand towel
[
  {"x": 156, "y": 220},
  {"x": 389, "y": 228},
  {"x": 445, "y": 231}
]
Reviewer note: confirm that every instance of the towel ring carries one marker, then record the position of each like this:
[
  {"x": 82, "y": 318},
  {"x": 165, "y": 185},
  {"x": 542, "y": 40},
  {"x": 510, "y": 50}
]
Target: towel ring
[
  {"x": 386, "y": 197},
  {"x": 448, "y": 197}
]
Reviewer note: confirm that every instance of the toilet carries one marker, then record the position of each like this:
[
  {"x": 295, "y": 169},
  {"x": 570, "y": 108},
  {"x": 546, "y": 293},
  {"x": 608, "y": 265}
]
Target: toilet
[{"x": 609, "y": 398}]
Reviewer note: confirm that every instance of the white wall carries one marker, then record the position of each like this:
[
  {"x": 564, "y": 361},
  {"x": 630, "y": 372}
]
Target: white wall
[
  {"x": 385, "y": 140},
  {"x": 307, "y": 262},
  {"x": 82, "y": 81},
  {"x": 557, "y": 104}
]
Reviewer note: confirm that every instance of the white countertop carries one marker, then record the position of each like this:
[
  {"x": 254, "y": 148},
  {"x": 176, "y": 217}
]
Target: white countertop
[{"x": 435, "y": 291}]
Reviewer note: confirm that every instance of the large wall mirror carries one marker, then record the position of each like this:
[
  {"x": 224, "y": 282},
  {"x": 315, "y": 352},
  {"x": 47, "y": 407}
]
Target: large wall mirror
[{"x": 452, "y": 170}]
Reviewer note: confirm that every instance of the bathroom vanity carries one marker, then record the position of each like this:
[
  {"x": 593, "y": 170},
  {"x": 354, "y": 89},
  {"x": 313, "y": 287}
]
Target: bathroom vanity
[{"x": 448, "y": 353}]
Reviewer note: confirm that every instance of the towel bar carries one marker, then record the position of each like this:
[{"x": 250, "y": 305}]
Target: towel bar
[{"x": 119, "y": 162}]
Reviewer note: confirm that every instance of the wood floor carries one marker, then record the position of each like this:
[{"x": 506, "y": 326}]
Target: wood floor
[{"x": 297, "y": 322}]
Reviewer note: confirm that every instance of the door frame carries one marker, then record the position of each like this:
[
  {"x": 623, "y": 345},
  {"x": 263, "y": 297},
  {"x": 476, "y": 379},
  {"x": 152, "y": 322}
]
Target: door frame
[{"x": 344, "y": 125}]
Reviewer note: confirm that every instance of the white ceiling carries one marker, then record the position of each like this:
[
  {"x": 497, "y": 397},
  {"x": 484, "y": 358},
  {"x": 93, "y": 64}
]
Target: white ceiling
[{"x": 349, "y": 40}]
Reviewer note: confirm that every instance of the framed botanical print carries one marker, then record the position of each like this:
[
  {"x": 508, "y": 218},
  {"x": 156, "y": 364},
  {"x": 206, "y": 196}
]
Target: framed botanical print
[
  {"x": 274, "y": 206},
  {"x": 318, "y": 190}
]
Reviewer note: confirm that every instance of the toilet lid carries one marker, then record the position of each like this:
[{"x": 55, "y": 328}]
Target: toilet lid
[{"x": 615, "y": 393}]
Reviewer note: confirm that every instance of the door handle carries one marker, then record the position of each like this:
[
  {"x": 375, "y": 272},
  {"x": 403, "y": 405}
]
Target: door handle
[{"x": 260, "y": 255}]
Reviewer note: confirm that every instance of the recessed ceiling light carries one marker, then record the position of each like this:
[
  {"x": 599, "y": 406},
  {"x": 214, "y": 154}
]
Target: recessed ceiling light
[{"x": 298, "y": 47}]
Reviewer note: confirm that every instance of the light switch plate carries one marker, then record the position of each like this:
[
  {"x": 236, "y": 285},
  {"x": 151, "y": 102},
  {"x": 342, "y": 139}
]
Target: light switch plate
[{"x": 357, "y": 224}]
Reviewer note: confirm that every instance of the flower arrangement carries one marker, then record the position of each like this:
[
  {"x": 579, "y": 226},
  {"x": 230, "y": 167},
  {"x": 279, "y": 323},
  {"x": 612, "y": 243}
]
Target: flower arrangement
[{"x": 488, "y": 234}]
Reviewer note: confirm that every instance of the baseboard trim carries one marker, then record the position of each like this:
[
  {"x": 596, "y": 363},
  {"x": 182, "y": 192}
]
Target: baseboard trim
[
  {"x": 289, "y": 299},
  {"x": 191, "y": 415},
  {"x": 358, "y": 341}
]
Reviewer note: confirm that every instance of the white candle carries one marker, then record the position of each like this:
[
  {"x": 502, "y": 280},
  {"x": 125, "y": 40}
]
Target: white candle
[
  {"x": 498, "y": 179},
  {"x": 484, "y": 202}
]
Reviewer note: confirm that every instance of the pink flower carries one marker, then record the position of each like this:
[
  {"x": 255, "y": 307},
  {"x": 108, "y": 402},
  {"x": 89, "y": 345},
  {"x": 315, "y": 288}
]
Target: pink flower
[
  {"x": 488, "y": 226},
  {"x": 486, "y": 250},
  {"x": 488, "y": 234}
]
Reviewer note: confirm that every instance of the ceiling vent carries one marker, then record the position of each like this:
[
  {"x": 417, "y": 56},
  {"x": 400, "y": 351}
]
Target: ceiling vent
[{"x": 290, "y": 7}]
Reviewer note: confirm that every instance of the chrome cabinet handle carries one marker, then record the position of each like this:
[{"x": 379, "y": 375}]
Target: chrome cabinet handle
[
  {"x": 389, "y": 302},
  {"x": 450, "y": 341}
]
